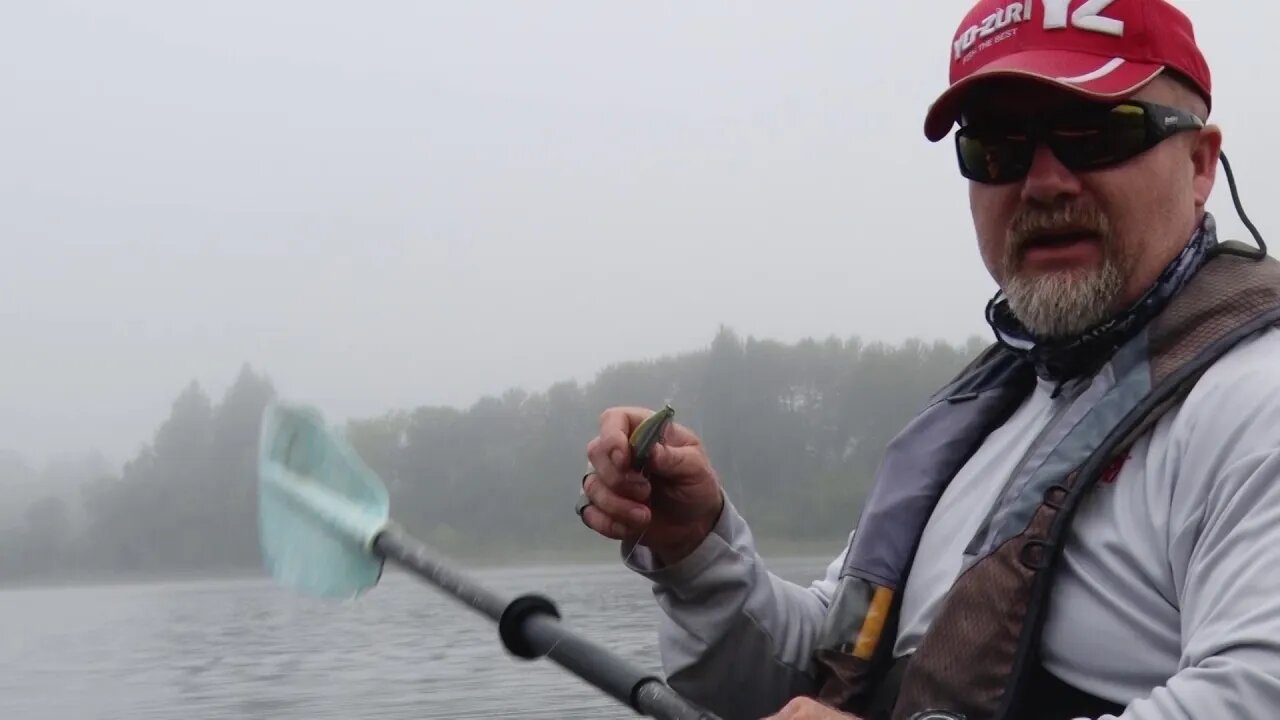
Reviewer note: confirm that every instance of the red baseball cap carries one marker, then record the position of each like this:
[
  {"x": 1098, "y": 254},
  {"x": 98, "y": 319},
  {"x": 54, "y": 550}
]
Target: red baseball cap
[{"x": 1101, "y": 49}]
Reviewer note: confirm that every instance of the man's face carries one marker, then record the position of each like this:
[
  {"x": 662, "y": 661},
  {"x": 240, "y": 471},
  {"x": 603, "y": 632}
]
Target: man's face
[{"x": 1071, "y": 249}]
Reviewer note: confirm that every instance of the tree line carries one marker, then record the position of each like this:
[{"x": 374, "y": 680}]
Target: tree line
[{"x": 794, "y": 430}]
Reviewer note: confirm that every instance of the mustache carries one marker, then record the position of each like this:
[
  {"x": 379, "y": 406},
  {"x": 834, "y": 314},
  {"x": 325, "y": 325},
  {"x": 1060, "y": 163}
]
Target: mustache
[{"x": 1033, "y": 221}]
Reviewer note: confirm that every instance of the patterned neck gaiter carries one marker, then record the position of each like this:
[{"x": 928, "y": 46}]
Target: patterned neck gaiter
[{"x": 1063, "y": 360}]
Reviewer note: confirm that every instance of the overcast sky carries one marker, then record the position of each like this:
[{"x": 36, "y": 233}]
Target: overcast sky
[{"x": 397, "y": 203}]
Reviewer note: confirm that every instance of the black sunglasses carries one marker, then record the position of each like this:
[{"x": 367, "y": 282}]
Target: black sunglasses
[{"x": 996, "y": 152}]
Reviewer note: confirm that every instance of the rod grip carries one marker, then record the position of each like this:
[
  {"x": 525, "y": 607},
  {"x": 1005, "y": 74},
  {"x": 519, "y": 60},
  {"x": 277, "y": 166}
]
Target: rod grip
[{"x": 644, "y": 692}]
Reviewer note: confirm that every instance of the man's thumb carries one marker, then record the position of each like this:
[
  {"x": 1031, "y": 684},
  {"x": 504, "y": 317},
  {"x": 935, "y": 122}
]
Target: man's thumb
[{"x": 675, "y": 462}]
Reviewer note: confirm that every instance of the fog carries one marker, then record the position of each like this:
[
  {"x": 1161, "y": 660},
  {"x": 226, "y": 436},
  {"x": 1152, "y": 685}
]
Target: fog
[{"x": 403, "y": 204}]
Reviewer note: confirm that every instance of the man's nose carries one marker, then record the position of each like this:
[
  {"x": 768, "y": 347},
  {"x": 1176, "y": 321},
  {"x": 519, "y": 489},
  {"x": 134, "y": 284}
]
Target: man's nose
[{"x": 1049, "y": 180}]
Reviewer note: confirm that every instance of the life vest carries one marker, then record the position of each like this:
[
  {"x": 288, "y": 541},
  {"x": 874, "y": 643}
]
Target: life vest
[{"x": 980, "y": 653}]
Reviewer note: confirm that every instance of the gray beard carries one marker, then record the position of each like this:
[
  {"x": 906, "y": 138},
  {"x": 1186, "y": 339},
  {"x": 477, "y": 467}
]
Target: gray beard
[{"x": 1064, "y": 304}]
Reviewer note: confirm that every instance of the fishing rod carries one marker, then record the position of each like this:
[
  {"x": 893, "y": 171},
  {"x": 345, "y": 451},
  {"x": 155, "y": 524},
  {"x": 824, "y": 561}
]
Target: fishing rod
[{"x": 325, "y": 531}]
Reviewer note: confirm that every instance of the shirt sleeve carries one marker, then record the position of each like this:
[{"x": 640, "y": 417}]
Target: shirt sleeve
[
  {"x": 734, "y": 637},
  {"x": 1225, "y": 553}
]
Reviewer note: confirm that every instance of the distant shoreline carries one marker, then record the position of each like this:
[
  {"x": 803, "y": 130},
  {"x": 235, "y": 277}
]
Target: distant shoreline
[{"x": 589, "y": 552}]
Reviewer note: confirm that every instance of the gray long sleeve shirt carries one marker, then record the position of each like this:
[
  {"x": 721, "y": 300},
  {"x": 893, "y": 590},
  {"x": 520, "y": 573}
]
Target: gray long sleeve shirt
[{"x": 1167, "y": 600}]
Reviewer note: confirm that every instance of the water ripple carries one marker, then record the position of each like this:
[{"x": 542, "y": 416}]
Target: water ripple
[{"x": 224, "y": 649}]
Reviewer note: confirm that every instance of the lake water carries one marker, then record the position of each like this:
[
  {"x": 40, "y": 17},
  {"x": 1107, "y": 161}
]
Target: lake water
[{"x": 222, "y": 649}]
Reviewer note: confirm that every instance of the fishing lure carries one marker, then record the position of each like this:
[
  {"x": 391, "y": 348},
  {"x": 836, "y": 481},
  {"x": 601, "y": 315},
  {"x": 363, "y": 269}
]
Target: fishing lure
[{"x": 647, "y": 434}]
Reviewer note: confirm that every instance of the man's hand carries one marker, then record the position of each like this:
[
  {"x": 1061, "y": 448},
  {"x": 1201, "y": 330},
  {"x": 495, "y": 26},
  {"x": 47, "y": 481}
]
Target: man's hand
[
  {"x": 670, "y": 508},
  {"x": 803, "y": 708}
]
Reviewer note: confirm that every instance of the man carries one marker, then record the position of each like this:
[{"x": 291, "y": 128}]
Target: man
[{"x": 1086, "y": 522}]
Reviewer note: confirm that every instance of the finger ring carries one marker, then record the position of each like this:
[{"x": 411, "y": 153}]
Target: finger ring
[{"x": 583, "y": 501}]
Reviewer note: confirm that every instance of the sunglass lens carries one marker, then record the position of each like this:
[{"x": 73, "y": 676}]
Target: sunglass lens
[
  {"x": 1101, "y": 139},
  {"x": 994, "y": 157}
]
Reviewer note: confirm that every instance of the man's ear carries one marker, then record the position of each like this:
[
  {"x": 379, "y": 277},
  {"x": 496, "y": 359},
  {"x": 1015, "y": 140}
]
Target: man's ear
[{"x": 1205, "y": 152}]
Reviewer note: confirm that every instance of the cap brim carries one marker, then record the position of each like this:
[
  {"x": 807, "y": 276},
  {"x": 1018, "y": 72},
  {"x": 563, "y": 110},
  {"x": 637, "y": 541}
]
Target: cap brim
[{"x": 1091, "y": 76}]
